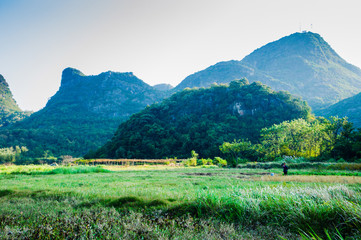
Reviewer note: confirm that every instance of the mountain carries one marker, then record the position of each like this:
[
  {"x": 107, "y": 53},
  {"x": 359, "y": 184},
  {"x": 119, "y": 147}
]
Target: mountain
[
  {"x": 302, "y": 63},
  {"x": 163, "y": 87},
  {"x": 201, "y": 120},
  {"x": 9, "y": 110},
  {"x": 349, "y": 107},
  {"x": 82, "y": 115}
]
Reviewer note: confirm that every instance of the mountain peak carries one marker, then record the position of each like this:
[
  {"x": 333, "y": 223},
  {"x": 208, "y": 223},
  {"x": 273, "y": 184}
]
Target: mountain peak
[
  {"x": 7, "y": 102},
  {"x": 9, "y": 110},
  {"x": 308, "y": 45},
  {"x": 3, "y": 81},
  {"x": 109, "y": 74},
  {"x": 84, "y": 113},
  {"x": 302, "y": 63},
  {"x": 69, "y": 74}
]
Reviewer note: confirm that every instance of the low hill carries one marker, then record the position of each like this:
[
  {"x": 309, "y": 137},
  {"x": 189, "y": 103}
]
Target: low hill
[
  {"x": 302, "y": 63},
  {"x": 9, "y": 110},
  {"x": 350, "y": 107},
  {"x": 201, "y": 120},
  {"x": 82, "y": 115}
]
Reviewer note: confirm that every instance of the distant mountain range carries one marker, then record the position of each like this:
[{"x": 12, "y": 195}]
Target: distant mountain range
[
  {"x": 303, "y": 64},
  {"x": 9, "y": 110},
  {"x": 350, "y": 108},
  {"x": 201, "y": 120},
  {"x": 82, "y": 115},
  {"x": 86, "y": 110}
]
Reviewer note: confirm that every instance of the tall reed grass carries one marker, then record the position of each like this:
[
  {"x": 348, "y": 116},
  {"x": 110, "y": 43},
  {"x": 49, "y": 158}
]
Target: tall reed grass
[{"x": 296, "y": 208}]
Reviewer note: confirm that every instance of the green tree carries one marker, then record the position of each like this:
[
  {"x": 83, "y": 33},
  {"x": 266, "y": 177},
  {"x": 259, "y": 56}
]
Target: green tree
[
  {"x": 298, "y": 138},
  {"x": 11, "y": 154},
  {"x": 239, "y": 151}
]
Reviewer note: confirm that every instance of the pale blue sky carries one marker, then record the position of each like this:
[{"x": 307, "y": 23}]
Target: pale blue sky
[{"x": 160, "y": 41}]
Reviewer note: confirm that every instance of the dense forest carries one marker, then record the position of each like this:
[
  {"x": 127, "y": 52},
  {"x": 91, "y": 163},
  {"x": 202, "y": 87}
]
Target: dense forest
[{"x": 201, "y": 120}]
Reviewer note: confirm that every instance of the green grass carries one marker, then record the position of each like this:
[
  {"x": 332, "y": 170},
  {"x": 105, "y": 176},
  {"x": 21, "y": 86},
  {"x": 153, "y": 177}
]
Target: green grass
[
  {"x": 48, "y": 170},
  {"x": 182, "y": 203}
]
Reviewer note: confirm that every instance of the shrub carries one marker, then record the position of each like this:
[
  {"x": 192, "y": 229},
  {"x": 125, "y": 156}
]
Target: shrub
[
  {"x": 209, "y": 161},
  {"x": 242, "y": 160},
  {"x": 193, "y": 161},
  {"x": 220, "y": 162}
]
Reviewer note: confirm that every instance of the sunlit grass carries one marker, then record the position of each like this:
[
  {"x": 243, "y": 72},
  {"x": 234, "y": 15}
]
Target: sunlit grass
[
  {"x": 312, "y": 178},
  {"x": 245, "y": 200},
  {"x": 46, "y": 169},
  {"x": 140, "y": 167},
  {"x": 10, "y": 169}
]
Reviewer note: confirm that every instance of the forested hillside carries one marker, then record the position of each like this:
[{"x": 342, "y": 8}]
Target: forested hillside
[
  {"x": 9, "y": 110},
  {"x": 303, "y": 64},
  {"x": 82, "y": 115},
  {"x": 87, "y": 110},
  {"x": 350, "y": 108},
  {"x": 201, "y": 120}
]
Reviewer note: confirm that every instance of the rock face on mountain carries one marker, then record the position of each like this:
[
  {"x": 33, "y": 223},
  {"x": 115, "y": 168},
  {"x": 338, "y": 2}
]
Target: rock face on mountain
[
  {"x": 349, "y": 107},
  {"x": 201, "y": 120},
  {"x": 82, "y": 115},
  {"x": 303, "y": 64},
  {"x": 9, "y": 110}
]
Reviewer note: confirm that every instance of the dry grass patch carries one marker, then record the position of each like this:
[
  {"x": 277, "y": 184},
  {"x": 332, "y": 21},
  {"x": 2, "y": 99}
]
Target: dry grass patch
[
  {"x": 311, "y": 178},
  {"x": 140, "y": 167}
]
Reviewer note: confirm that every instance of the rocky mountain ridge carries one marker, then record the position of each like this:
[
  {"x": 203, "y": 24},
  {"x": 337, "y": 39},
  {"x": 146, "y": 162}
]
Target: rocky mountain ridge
[{"x": 82, "y": 115}]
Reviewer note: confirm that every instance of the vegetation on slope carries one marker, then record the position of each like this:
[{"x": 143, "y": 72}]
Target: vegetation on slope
[
  {"x": 201, "y": 120},
  {"x": 82, "y": 115},
  {"x": 350, "y": 108},
  {"x": 302, "y": 63},
  {"x": 9, "y": 110}
]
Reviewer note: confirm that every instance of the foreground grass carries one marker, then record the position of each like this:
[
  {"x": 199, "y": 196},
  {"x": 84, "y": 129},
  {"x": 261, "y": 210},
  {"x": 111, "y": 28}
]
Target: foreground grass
[{"x": 174, "y": 203}]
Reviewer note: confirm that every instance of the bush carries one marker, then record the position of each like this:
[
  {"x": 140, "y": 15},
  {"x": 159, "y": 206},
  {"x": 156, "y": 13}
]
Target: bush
[
  {"x": 242, "y": 160},
  {"x": 193, "y": 161},
  {"x": 220, "y": 162}
]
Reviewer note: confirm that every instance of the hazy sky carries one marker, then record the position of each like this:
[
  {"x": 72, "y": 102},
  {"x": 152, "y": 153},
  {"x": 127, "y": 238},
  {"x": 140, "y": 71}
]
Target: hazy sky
[{"x": 160, "y": 41}]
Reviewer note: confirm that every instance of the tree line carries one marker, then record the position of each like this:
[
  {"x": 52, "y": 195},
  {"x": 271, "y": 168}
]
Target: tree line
[{"x": 315, "y": 139}]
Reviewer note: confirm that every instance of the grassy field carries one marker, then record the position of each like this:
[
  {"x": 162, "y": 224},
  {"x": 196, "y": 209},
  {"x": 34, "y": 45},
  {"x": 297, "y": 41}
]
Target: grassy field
[{"x": 163, "y": 202}]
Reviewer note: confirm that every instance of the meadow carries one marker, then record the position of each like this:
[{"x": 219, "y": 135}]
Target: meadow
[{"x": 173, "y": 202}]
